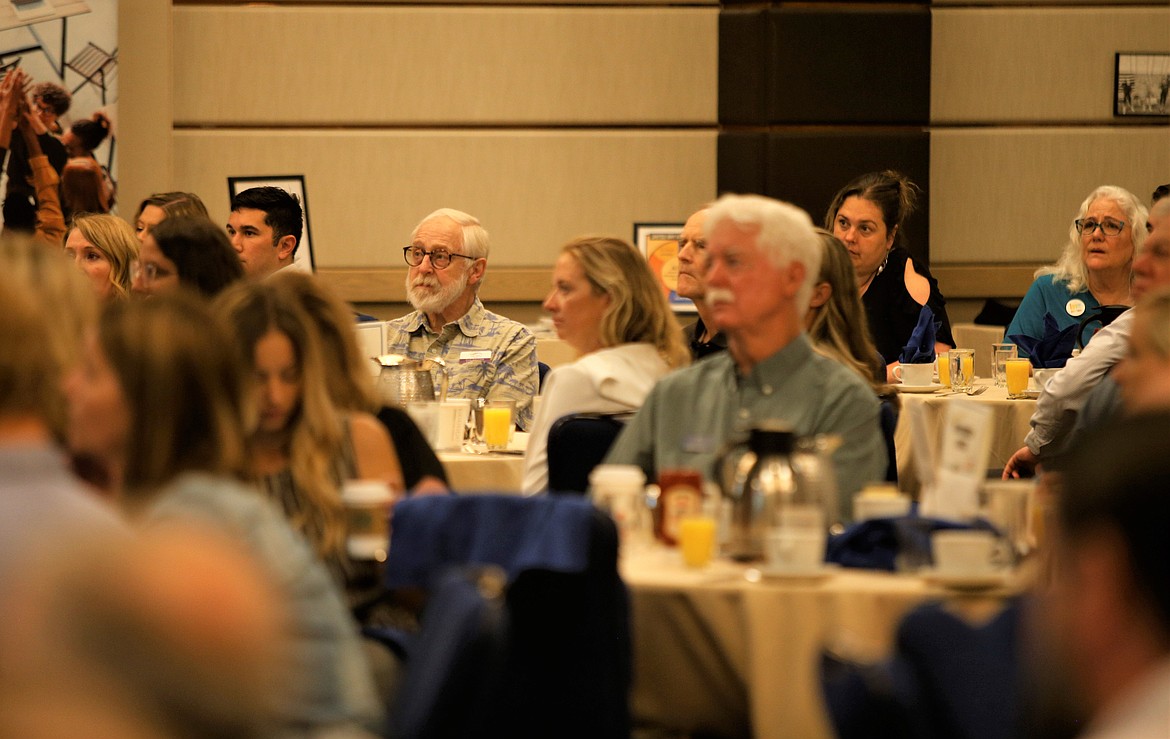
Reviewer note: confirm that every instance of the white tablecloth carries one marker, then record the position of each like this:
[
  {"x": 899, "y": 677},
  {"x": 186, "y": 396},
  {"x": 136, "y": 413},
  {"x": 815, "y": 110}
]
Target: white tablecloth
[
  {"x": 715, "y": 652},
  {"x": 1009, "y": 426}
]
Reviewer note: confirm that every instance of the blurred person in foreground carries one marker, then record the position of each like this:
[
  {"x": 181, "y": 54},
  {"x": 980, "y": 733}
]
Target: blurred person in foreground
[
  {"x": 46, "y": 307},
  {"x": 173, "y": 633},
  {"x": 701, "y": 336},
  {"x": 186, "y": 250},
  {"x": 1101, "y": 631},
  {"x": 1068, "y": 391},
  {"x": 764, "y": 257},
  {"x": 160, "y": 398},
  {"x": 301, "y": 446},
  {"x": 483, "y": 354},
  {"x": 606, "y": 304}
]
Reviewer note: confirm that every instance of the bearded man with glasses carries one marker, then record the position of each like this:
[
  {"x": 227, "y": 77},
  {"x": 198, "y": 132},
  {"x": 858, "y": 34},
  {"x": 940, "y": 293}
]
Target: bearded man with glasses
[{"x": 484, "y": 354}]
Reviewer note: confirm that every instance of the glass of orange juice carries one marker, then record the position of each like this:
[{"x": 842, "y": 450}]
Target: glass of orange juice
[
  {"x": 498, "y": 422},
  {"x": 1017, "y": 371},
  {"x": 697, "y": 534},
  {"x": 944, "y": 369}
]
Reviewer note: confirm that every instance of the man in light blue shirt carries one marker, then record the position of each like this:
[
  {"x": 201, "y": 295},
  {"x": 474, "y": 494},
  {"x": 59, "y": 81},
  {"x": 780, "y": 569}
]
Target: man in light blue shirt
[{"x": 763, "y": 259}]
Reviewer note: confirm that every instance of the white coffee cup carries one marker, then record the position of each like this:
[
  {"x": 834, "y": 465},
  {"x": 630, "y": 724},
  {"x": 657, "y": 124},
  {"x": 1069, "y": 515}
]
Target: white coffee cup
[
  {"x": 620, "y": 491},
  {"x": 915, "y": 374},
  {"x": 869, "y": 506},
  {"x": 367, "y": 510},
  {"x": 963, "y": 552},
  {"x": 796, "y": 550}
]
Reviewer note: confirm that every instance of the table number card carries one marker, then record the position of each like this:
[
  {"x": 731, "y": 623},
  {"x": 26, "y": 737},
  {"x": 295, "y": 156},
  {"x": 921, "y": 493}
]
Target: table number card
[{"x": 962, "y": 461}]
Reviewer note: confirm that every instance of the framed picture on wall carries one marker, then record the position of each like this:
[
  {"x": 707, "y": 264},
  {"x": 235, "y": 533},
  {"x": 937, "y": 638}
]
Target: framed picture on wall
[
  {"x": 1141, "y": 83},
  {"x": 658, "y": 242},
  {"x": 295, "y": 186}
]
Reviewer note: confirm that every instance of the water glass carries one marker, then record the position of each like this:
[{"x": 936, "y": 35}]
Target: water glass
[
  {"x": 962, "y": 363},
  {"x": 1000, "y": 354}
]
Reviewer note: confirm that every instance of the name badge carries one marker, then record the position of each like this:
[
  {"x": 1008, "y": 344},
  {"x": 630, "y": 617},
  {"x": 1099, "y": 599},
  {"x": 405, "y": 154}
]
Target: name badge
[
  {"x": 478, "y": 355},
  {"x": 1075, "y": 307}
]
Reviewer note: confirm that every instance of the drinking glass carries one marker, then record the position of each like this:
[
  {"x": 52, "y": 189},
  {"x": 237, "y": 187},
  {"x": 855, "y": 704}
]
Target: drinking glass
[
  {"x": 944, "y": 369},
  {"x": 498, "y": 421},
  {"x": 962, "y": 363},
  {"x": 1001, "y": 353},
  {"x": 1016, "y": 371}
]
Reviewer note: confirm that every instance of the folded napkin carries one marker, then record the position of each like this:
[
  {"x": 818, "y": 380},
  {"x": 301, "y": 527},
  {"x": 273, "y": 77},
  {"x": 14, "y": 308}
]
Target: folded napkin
[
  {"x": 883, "y": 543},
  {"x": 1051, "y": 351},
  {"x": 920, "y": 348}
]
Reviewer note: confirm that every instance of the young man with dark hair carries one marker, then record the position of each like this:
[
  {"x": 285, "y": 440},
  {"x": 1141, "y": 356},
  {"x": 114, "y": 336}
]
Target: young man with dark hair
[{"x": 265, "y": 230}]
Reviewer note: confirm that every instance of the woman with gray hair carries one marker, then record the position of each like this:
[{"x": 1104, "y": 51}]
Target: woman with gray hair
[{"x": 1095, "y": 267}]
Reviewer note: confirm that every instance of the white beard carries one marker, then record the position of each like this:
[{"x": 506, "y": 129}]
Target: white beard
[{"x": 434, "y": 302}]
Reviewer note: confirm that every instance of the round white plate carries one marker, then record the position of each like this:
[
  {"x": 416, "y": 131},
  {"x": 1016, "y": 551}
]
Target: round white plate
[
  {"x": 933, "y": 387},
  {"x": 963, "y": 581}
]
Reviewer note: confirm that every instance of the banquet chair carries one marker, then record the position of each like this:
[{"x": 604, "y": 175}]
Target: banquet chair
[
  {"x": 526, "y": 630},
  {"x": 577, "y": 443},
  {"x": 947, "y": 678}
]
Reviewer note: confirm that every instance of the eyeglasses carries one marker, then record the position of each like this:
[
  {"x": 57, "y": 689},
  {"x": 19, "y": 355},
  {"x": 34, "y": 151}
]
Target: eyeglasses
[
  {"x": 1108, "y": 226},
  {"x": 149, "y": 271},
  {"x": 440, "y": 258}
]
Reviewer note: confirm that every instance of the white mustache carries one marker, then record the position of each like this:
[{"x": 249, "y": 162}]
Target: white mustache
[
  {"x": 426, "y": 281},
  {"x": 719, "y": 295}
]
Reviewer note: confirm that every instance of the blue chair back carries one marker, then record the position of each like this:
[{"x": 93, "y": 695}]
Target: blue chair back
[
  {"x": 547, "y": 653},
  {"x": 576, "y": 444}
]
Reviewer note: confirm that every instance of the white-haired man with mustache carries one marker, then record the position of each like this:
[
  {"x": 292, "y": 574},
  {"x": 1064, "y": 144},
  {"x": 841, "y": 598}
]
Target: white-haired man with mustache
[
  {"x": 763, "y": 256},
  {"x": 486, "y": 355}
]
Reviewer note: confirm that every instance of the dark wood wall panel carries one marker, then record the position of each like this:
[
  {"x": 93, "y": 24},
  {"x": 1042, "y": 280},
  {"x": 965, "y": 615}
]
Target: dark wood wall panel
[{"x": 831, "y": 65}]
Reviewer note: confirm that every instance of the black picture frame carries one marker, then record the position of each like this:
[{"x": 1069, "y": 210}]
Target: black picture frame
[
  {"x": 293, "y": 184},
  {"x": 1141, "y": 84}
]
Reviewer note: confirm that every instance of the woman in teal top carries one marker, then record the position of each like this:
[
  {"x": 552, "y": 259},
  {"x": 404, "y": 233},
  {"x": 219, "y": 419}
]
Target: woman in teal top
[{"x": 1094, "y": 269}]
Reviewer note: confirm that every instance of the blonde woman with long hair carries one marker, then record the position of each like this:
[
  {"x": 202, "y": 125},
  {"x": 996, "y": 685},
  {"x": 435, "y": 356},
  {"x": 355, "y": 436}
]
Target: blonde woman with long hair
[
  {"x": 159, "y": 397},
  {"x": 836, "y": 322},
  {"x": 352, "y": 384},
  {"x": 606, "y": 304},
  {"x": 104, "y": 248},
  {"x": 301, "y": 445}
]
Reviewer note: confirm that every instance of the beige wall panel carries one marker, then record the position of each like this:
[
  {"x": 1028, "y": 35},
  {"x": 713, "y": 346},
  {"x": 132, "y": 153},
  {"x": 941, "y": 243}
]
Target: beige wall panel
[
  {"x": 1009, "y": 195},
  {"x": 144, "y": 104},
  {"x": 1035, "y": 64},
  {"x": 419, "y": 66},
  {"x": 534, "y": 190}
]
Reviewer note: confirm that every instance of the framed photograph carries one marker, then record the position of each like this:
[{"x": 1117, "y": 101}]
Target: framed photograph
[
  {"x": 658, "y": 242},
  {"x": 294, "y": 185},
  {"x": 1141, "y": 83}
]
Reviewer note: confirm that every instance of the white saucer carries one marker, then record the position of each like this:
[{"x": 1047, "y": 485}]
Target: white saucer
[
  {"x": 783, "y": 573},
  {"x": 931, "y": 388},
  {"x": 966, "y": 581}
]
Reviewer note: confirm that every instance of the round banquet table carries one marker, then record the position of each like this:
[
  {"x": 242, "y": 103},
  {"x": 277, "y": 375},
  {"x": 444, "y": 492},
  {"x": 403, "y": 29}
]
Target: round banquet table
[
  {"x": 716, "y": 653},
  {"x": 1009, "y": 425}
]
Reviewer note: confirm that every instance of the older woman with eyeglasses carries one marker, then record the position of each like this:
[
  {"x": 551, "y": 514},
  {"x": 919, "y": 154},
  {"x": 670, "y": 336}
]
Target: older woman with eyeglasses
[{"x": 1095, "y": 267}]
